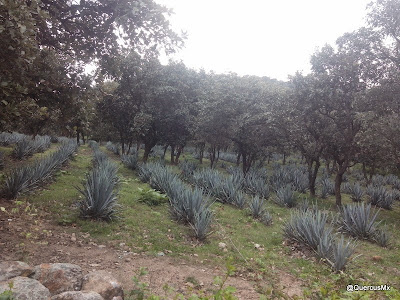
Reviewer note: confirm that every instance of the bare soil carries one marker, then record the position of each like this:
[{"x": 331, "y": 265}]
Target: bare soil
[{"x": 35, "y": 239}]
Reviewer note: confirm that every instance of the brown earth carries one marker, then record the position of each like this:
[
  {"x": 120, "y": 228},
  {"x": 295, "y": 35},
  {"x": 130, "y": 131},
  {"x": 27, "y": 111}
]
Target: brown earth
[{"x": 35, "y": 240}]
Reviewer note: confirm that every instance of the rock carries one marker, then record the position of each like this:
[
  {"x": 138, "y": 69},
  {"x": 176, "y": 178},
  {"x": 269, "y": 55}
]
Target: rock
[
  {"x": 10, "y": 269},
  {"x": 78, "y": 295},
  {"x": 377, "y": 258},
  {"x": 73, "y": 237},
  {"x": 25, "y": 288},
  {"x": 59, "y": 277},
  {"x": 222, "y": 245},
  {"x": 103, "y": 283},
  {"x": 257, "y": 246},
  {"x": 160, "y": 254},
  {"x": 117, "y": 298}
]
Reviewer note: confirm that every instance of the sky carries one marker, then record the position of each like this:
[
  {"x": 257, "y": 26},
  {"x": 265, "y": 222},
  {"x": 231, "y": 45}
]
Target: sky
[{"x": 273, "y": 38}]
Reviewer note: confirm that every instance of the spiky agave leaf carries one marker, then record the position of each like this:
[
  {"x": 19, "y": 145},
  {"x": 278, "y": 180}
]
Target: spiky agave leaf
[
  {"x": 341, "y": 253},
  {"x": 256, "y": 207},
  {"x": 130, "y": 161}
]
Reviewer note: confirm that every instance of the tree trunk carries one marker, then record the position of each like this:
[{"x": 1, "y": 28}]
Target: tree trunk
[
  {"x": 77, "y": 136},
  {"x": 178, "y": 154},
  {"x": 201, "y": 152},
  {"x": 238, "y": 159},
  {"x": 165, "y": 151},
  {"x": 312, "y": 176},
  {"x": 147, "y": 149},
  {"x": 338, "y": 182},
  {"x": 172, "y": 154}
]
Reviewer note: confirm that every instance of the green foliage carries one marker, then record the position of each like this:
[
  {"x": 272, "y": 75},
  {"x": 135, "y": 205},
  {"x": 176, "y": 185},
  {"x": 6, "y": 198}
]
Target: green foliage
[
  {"x": 100, "y": 198},
  {"x": 285, "y": 196},
  {"x": 151, "y": 197},
  {"x": 358, "y": 220},
  {"x": 8, "y": 294}
]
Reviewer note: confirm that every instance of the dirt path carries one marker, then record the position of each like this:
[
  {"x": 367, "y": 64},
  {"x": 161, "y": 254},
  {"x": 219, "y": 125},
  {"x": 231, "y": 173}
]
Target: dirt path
[{"x": 36, "y": 240}]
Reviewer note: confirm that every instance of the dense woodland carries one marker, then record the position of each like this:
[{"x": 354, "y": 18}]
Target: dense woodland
[{"x": 345, "y": 113}]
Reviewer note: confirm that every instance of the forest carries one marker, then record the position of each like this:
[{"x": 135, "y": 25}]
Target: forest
[{"x": 296, "y": 177}]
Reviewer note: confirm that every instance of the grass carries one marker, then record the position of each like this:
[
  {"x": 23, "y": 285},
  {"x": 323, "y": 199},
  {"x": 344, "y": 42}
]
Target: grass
[{"x": 150, "y": 229}]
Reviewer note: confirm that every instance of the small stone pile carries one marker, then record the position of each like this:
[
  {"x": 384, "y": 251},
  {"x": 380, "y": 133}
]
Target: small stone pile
[{"x": 59, "y": 281}]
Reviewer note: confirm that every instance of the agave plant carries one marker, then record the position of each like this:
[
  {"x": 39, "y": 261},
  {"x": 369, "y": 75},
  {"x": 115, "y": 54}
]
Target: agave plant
[
  {"x": 130, "y": 161},
  {"x": 100, "y": 199},
  {"x": 356, "y": 192},
  {"x": 381, "y": 237},
  {"x": 187, "y": 168},
  {"x": 256, "y": 207},
  {"x": 266, "y": 218},
  {"x": 307, "y": 227},
  {"x": 358, "y": 220},
  {"x": 23, "y": 148},
  {"x": 285, "y": 196},
  {"x": 341, "y": 253},
  {"x": 202, "y": 224},
  {"x": 99, "y": 157},
  {"x": 346, "y": 188},
  {"x": 378, "y": 180},
  {"x": 380, "y": 196},
  {"x": 327, "y": 188}
]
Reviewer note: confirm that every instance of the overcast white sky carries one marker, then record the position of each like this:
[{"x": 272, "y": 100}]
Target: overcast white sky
[{"x": 272, "y": 38}]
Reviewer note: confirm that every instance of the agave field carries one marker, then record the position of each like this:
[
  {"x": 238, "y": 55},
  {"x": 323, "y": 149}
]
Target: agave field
[{"x": 265, "y": 220}]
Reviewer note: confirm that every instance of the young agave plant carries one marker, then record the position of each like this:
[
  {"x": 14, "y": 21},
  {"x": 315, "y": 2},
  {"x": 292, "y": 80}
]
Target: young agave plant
[
  {"x": 327, "y": 188},
  {"x": 356, "y": 192},
  {"x": 285, "y": 196},
  {"x": 266, "y": 218},
  {"x": 256, "y": 207},
  {"x": 202, "y": 224},
  {"x": 382, "y": 237},
  {"x": 341, "y": 253}
]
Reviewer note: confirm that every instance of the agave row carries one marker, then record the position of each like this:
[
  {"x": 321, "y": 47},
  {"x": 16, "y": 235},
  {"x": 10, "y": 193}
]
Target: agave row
[
  {"x": 27, "y": 146},
  {"x": 187, "y": 205},
  {"x": 28, "y": 177},
  {"x": 311, "y": 228}
]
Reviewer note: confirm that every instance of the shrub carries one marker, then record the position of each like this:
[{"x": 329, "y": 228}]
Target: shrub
[
  {"x": 151, "y": 197},
  {"x": 285, "y": 196},
  {"x": 358, "y": 220}
]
